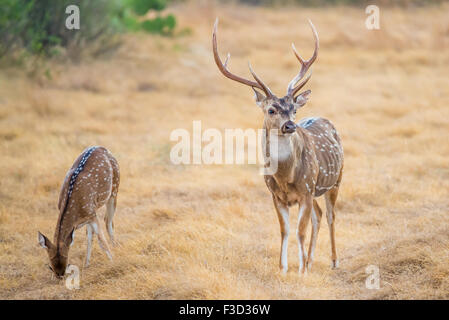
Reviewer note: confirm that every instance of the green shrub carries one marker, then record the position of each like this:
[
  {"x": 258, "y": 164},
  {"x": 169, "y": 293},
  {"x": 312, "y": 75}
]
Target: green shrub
[
  {"x": 37, "y": 27},
  {"x": 132, "y": 17},
  {"x": 160, "y": 25},
  {"x": 141, "y": 7}
]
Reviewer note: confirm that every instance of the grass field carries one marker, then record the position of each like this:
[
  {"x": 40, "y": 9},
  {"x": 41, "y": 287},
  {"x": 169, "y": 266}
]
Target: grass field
[{"x": 211, "y": 232}]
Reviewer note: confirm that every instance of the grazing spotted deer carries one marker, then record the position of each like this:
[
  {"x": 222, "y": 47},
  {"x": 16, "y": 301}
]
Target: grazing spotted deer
[
  {"x": 309, "y": 156},
  {"x": 92, "y": 182}
]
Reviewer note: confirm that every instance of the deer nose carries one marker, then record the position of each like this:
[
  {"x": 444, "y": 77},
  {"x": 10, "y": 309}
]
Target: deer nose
[{"x": 288, "y": 127}]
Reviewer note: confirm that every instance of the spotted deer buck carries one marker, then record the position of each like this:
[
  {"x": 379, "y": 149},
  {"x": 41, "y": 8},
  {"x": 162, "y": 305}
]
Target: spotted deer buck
[
  {"x": 309, "y": 156},
  {"x": 92, "y": 182}
]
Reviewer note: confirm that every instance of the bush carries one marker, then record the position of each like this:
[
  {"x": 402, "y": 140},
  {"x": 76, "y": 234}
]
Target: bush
[
  {"x": 161, "y": 25},
  {"x": 37, "y": 27},
  {"x": 141, "y": 7},
  {"x": 132, "y": 17}
]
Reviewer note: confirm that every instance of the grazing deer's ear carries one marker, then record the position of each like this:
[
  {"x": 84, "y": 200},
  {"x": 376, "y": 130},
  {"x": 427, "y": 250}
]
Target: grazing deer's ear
[
  {"x": 43, "y": 241},
  {"x": 302, "y": 98},
  {"x": 259, "y": 97}
]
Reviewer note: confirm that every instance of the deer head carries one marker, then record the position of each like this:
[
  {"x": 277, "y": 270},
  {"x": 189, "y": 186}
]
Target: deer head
[
  {"x": 57, "y": 254},
  {"x": 279, "y": 113}
]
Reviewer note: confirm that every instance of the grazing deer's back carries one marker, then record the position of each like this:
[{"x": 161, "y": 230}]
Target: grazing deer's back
[
  {"x": 92, "y": 179},
  {"x": 328, "y": 150}
]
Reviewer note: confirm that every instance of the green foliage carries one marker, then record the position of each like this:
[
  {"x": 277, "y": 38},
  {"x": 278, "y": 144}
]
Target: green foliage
[
  {"x": 37, "y": 27},
  {"x": 133, "y": 12},
  {"x": 141, "y": 7},
  {"x": 160, "y": 25},
  {"x": 13, "y": 23}
]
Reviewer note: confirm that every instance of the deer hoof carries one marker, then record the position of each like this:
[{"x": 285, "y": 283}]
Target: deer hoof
[
  {"x": 309, "y": 266},
  {"x": 334, "y": 264}
]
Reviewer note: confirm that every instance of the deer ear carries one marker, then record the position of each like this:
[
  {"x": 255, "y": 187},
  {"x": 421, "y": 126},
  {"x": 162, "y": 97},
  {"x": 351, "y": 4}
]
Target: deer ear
[
  {"x": 302, "y": 98},
  {"x": 43, "y": 241},
  {"x": 259, "y": 97}
]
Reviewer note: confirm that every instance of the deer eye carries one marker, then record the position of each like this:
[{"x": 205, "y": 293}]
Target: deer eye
[{"x": 271, "y": 111}]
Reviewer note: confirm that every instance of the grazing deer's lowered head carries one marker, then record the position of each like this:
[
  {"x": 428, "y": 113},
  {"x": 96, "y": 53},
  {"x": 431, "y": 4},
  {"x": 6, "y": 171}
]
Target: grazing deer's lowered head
[
  {"x": 58, "y": 254},
  {"x": 309, "y": 155},
  {"x": 92, "y": 182}
]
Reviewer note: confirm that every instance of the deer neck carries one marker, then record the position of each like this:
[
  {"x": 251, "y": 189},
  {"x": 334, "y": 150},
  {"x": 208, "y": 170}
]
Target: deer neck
[
  {"x": 64, "y": 227},
  {"x": 287, "y": 153}
]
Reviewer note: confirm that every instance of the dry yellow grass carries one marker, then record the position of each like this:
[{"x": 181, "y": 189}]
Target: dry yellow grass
[{"x": 211, "y": 231}]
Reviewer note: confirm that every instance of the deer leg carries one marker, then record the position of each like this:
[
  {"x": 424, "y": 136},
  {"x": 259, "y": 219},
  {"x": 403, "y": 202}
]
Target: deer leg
[
  {"x": 283, "y": 215},
  {"x": 110, "y": 210},
  {"x": 331, "y": 198},
  {"x": 305, "y": 207},
  {"x": 316, "y": 220},
  {"x": 101, "y": 238},
  {"x": 89, "y": 244}
]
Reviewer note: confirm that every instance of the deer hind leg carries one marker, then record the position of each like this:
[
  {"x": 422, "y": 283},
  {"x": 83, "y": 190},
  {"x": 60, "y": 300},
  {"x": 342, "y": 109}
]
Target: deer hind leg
[
  {"x": 283, "y": 215},
  {"x": 305, "y": 208},
  {"x": 331, "y": 198},
  {"x": 316, "y": 221},
  {"x": 109, "y": 216},
  {"x": 89, "y": 230},
  {"x": 101, "y": 239}
]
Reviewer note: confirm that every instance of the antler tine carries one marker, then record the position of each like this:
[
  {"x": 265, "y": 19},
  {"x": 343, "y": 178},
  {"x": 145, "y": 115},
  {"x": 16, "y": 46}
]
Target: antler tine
[
  {"x": 303, "y": 83},
  {"x": 305, "y": 65},
  {"x": 224, "y": 70},
  {"x": 227, "y": 59},
  {"x": 259, "y": 81}
]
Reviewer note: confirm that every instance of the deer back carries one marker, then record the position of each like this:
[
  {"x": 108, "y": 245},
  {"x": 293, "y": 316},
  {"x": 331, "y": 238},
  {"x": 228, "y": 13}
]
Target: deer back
[
  {"x": 327, "y": 150},
  {"x": 90, "y": 182}
]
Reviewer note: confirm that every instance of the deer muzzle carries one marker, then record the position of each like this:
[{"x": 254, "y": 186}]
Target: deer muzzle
[{"x": 288, "y": 127}]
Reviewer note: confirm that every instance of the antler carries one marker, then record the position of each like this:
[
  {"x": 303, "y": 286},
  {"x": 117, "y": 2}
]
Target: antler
[
  {"x": 305, "y": 65},
  {"x": 223, "y": 68}
]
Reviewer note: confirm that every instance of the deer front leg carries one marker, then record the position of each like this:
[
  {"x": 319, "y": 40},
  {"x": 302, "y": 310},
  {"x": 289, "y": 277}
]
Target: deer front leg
[
  {"x": 283, "y": 215},
  {"x": 305, "y": 207}
]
